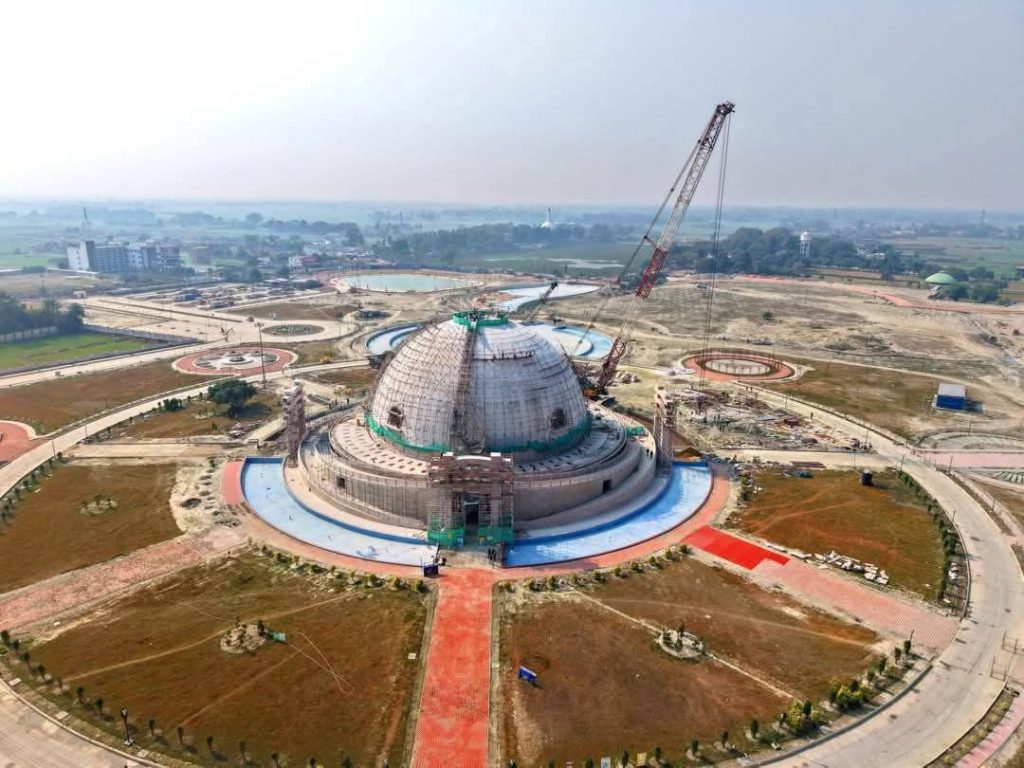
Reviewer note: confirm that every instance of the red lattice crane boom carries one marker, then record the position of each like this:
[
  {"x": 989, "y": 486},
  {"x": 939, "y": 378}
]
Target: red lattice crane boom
[{"x": 687, "y": 180}]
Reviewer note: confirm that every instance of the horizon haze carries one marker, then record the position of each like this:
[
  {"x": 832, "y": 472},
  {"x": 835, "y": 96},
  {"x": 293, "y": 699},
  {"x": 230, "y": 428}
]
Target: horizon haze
[{"x": 915, "y": 106}]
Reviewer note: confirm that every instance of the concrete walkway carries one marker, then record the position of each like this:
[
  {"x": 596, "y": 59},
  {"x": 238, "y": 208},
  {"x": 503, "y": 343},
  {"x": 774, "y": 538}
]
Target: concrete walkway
[{"x": 29, "y": 740}]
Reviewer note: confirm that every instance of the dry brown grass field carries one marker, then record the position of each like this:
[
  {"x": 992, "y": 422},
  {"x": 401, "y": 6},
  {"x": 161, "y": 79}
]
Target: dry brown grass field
[
  {"x": 51, "y": 404},
  {"x": 51, "y": 534},
  {"x": 883, "y": 524},
  {"x": 605, "y": 687},
  {"x": 341, "y": 685}
]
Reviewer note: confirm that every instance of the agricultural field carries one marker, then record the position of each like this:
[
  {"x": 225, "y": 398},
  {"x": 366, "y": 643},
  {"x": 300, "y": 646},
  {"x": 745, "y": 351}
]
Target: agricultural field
[
  {"x": 604, "y": 685},
  {"x": 62, "y": 349},
  {"x": 294, "y": 310},
  {"x": 54, "y": 403},
  {"x": 339, "y": 684},
  {"x": 999, "y": 255},
  {"x": 884, "y": 524},
  {"x": 201, "y": 417},
  {"x": 61, "y": 527}
]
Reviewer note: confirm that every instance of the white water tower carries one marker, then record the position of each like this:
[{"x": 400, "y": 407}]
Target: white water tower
[{"x": 805, "y": 244}]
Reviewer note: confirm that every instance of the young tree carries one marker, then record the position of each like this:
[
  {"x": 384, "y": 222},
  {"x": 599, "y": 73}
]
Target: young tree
[
  {"x": 80, "y": 694},
  {"x": 152, "y": 728},
  {"x": 625, "y": 758},
  {"x": 906, "y": 647},
  {"x": 754, "y": 728},
  {"x": 209, "y": 744},
  {"x": 694, "y": 747},
  {"x": 896, "y": 654},
  {"x": 725, "y": 739}
]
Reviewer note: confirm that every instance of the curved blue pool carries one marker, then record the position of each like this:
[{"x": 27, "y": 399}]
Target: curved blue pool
[
  {"x": 268, "y": 496},
  {"x": 686, "y": 491}
]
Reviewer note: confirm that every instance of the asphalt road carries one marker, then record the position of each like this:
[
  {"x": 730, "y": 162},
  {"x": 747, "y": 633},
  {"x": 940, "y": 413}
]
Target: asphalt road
[{"x": 958, "y": 691}]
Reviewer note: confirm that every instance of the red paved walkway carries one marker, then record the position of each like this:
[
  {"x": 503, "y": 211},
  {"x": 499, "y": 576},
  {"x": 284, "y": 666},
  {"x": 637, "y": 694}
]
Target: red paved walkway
[
  {"x": 780, "y": 370},
  {"x": 15, "y": 439},
  {"x": 231, "y": 483},
  {"x": 883, "y": 612},
  {"x": 732, "y": 548},
  {"x": 187, "y": 364},
  {"x": 71, "y": 590},
  {"x": 997, "y": 738},
  {"x": 454, "y": 711}
]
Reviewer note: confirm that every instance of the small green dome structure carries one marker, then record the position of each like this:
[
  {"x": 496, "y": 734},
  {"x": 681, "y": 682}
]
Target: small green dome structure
[{"x": 940, "y": 278}]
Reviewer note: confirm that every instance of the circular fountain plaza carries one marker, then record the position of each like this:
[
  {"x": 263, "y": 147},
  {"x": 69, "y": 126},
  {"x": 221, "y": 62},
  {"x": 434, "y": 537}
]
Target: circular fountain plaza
[{"x": 476, "y": 434}]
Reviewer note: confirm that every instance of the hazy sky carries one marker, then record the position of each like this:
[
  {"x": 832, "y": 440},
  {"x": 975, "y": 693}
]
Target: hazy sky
[{"x": 917, "y": 104}]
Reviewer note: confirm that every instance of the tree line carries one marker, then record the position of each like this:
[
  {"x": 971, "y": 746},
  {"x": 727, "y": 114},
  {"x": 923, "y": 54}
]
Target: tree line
[
  {"x": 446, "y": 244},
  {"x": 15, "y": 316}
]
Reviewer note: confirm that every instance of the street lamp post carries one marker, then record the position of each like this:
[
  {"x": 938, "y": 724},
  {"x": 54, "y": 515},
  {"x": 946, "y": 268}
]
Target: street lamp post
[
  {"x": 128, "y": 740},
  {"x": 263, "y": 364}
]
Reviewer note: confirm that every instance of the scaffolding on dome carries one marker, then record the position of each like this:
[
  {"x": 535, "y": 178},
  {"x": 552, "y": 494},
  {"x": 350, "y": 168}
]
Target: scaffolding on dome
[
  {"x": 666, "y": 404},
  {"x": 470, "y": 494}
]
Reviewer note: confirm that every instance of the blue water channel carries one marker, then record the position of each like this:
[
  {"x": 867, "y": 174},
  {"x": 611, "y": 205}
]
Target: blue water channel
[
  {"x": 686, "y": 491},
  {"x": 267, "y": 494}
]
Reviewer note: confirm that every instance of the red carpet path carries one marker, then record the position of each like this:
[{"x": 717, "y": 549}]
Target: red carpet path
[
  {"x": 735, "y": 550},
  {"x": 455, "y": 706}
]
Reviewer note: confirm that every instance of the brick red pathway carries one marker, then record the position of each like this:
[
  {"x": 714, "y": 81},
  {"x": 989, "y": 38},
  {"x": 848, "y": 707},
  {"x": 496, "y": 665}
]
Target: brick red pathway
[
  {"x": 882, "y": 612},
  {"x": 997, "y": 738},
  {"x": 743, "y": 553},
  {"x": 455, "y": 705},
  {"x": 187, "y": 364},
  {"x": 78, "y": 588},
  {"x": 16, "y": 439},
  {"x": 231, "y": 483}
]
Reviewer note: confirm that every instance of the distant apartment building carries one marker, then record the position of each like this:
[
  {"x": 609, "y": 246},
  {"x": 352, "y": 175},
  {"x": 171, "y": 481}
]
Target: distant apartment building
[{"x": 87, "y": 256}]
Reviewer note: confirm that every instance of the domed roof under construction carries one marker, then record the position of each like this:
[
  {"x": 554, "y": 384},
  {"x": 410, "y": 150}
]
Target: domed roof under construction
[{"x": 479, "y": 383}]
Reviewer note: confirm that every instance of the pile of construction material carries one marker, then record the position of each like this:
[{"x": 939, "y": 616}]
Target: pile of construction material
[{"x": 869, "y": 571}]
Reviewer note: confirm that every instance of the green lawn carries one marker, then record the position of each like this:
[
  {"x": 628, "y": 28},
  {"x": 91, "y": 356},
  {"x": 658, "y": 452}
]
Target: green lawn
[{"x": 57, "y": 349}]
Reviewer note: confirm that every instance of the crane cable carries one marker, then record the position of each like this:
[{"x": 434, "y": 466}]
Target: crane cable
[
  {"x": 715, "y": 242},
  {"x": 645, "y": 241}
]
